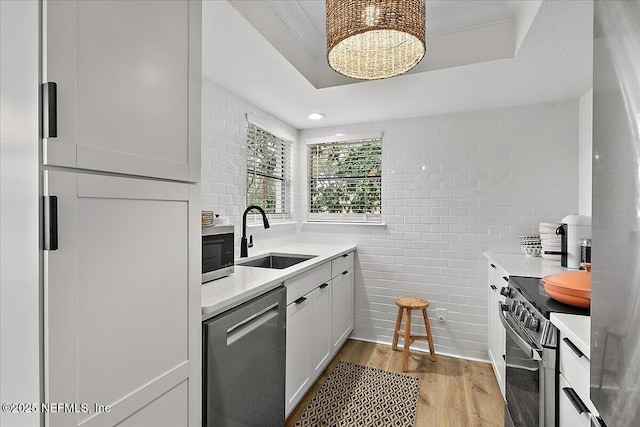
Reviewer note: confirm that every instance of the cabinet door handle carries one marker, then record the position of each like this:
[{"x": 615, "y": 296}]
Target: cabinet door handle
[
  {"x": 345, "y": 255},
  {"x": 494, "y": 287},
  {"x": 505, "y": 278},
  {"x": 50, "y": 223},
  {"x": 493, "y": 265},
  {"x": 575, "y": 400},
  {"x": 49, "y": 110},
  {"x": 573, "y": 347},
  {"x": 344, "y": 272},
  {"x": 324, "y": 285},
  {"x": 300, "y": 300}
]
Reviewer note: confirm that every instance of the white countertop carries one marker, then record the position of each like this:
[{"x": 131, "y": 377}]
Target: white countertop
[
  {"x": 522, "y": 265},
  {"x": 577, "y": 328},
  {"x": 249, "y": 282}
]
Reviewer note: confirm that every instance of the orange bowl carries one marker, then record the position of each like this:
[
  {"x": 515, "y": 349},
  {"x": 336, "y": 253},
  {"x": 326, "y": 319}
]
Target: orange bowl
[
  {"x": 569, "y": 299},
  {"x": 570, "y": 287},
  {"x": 554, "y": 287},
  {"x": 577, "y": 280}
]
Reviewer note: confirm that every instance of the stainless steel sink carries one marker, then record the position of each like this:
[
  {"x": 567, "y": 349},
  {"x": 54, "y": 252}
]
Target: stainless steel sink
[{"x": 276, "y": 261}]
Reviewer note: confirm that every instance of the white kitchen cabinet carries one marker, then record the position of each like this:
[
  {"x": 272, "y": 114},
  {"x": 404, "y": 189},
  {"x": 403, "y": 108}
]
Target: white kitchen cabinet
[
  {"x": 308, "y": 326},
  {"x": 321, "y": 328},
  {"x": 575, "y": 406},
  {"x": 122, "y": 300},
  {"x": 319, "y": 320},
  {"x": 128, "y": 76},
  {"x": 298, "y": 351},
  {"x": 342, "y": 299},
  {"x": 341, "y": 308},
  {"x": 308, "y": 342},
  {"x": 342, "y": 263},
  {"x": 496, "y": 333},
  {"x": 571, "y": 411}
]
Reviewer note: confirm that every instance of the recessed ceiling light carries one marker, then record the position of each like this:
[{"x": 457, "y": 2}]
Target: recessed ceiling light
[{"x": 317, "y": 116}]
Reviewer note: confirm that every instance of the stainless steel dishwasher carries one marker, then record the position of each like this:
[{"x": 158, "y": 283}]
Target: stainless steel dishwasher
[{"x": 244, "y": 364}]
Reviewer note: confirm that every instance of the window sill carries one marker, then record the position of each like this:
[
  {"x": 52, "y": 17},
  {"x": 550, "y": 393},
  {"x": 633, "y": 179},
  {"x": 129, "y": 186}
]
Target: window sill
[
  {"x": 272, "y": 224},
  {"x": 318, "y": 225}
]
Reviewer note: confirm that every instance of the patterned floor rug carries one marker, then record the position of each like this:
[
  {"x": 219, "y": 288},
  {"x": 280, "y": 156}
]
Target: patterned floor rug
[{"x": 355, "y": 395}]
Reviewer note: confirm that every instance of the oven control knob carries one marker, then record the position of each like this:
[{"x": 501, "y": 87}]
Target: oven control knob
[
  {"x": 524, "y": 314},
  {"x": 518, "y": 309},
  {"x": 514, "y": 306},
  {"x": 532, "y": 323},
  {"x": 504, "y": 307},
  {"x": 506, "y": 291}
]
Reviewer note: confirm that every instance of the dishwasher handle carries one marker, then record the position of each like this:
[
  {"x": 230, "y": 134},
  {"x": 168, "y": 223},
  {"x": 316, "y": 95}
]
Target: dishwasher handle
[{"x": 251, "y": 323}]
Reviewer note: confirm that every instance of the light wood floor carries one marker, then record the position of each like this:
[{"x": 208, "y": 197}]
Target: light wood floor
[{"x": 453, "y": 392}]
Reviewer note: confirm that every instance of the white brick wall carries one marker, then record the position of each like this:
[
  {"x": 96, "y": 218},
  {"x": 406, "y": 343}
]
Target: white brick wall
[
  {"x": 454, "y": 186},
  {"x": 224, "y": 163}
]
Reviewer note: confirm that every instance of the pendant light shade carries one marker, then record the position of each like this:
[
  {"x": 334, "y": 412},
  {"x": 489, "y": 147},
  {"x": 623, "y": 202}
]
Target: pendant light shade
[{"x": 375, "y": 39}]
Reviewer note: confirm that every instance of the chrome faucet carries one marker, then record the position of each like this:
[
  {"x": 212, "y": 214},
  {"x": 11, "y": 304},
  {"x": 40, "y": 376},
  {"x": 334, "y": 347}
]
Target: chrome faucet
[{"x": 244, "y": 248}]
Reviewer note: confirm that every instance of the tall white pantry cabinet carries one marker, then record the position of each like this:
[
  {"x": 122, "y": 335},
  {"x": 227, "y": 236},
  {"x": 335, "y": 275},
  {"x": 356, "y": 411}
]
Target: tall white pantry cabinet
[{"x": 121, "y": 211}]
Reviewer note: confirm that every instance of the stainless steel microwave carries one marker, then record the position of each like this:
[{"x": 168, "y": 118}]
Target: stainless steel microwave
[{"x": 217, "y": 252}]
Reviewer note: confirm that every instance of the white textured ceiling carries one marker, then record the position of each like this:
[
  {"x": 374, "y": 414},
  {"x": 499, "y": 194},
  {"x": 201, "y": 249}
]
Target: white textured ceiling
[
  {"x": 553, "y": 63},
  {"x": 458, "y": 33},
  {"x": 305, "y": 19}
]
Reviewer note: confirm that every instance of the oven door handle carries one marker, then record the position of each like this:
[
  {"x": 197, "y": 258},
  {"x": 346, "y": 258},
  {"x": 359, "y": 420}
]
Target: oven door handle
[{"x": 524, "y": 345}]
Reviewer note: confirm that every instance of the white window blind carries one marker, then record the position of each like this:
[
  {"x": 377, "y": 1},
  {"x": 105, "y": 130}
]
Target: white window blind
[
  {"x": 268, "y": 172},
  {"x": 345, "y": 181}
]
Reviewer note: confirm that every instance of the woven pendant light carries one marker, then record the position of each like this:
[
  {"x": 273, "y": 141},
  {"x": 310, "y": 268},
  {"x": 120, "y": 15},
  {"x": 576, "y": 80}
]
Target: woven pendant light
[{"x": 375, "y": 39}]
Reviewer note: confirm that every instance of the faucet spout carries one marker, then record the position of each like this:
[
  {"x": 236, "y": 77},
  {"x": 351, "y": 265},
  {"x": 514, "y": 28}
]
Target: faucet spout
[{"x": 244, "y": 247}]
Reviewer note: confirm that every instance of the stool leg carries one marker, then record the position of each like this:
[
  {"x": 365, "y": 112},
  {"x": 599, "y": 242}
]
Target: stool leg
[
  {"x": 427, "y": 326},
  {"x": 407, "y": 342},
  {"x": 394, "y": 345}
]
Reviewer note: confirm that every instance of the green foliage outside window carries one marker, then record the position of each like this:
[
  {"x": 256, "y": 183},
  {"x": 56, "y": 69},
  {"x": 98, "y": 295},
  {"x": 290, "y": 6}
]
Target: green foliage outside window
[
  {"x": 346, "y": 177},
  {"x": 268, "y": 165}
]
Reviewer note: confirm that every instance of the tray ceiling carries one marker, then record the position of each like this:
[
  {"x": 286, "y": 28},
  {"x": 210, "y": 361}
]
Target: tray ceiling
[{"x": 480, "y": 54}]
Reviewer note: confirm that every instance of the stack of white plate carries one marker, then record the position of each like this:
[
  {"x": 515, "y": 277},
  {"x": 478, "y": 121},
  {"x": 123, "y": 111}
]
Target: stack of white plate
[{"x": 550, "y": 241}]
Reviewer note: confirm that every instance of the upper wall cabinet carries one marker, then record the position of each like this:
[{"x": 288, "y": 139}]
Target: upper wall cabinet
[{"x": 128, "y": 76}]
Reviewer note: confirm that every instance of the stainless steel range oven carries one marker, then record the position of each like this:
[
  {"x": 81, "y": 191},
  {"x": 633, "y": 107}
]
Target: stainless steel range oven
[{"x": 531, "y": 347}]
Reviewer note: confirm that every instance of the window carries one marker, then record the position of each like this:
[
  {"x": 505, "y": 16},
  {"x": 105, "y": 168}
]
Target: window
[
  {"x": 345, "y": 181},
  {"x": 268, "y": 172}
]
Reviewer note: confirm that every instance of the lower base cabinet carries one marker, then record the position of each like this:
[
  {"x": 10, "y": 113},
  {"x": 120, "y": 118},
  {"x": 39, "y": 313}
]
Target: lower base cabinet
[
  {"x": 298, "y": 351},
  {"x": 319, "y": 320},
  {"x": 321, "y": 329},
  {"x": 574, "y": 406},
  {"x": 572, "y": 410},
  {"x": 496, "y": 335},
  {"x": 308, "y": 342},
  {"x": 341, "y": 308}
]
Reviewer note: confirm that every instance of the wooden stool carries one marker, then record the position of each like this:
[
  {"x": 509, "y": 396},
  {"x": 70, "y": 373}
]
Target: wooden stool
[{"x": 411, "y": 303}]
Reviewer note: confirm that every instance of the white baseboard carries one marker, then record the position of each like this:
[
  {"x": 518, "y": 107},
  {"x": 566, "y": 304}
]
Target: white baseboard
[{"x": 457, "y": 356}]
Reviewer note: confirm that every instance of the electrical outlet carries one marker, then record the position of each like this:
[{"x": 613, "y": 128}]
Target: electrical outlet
[{"x": 441, "y": 314}]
